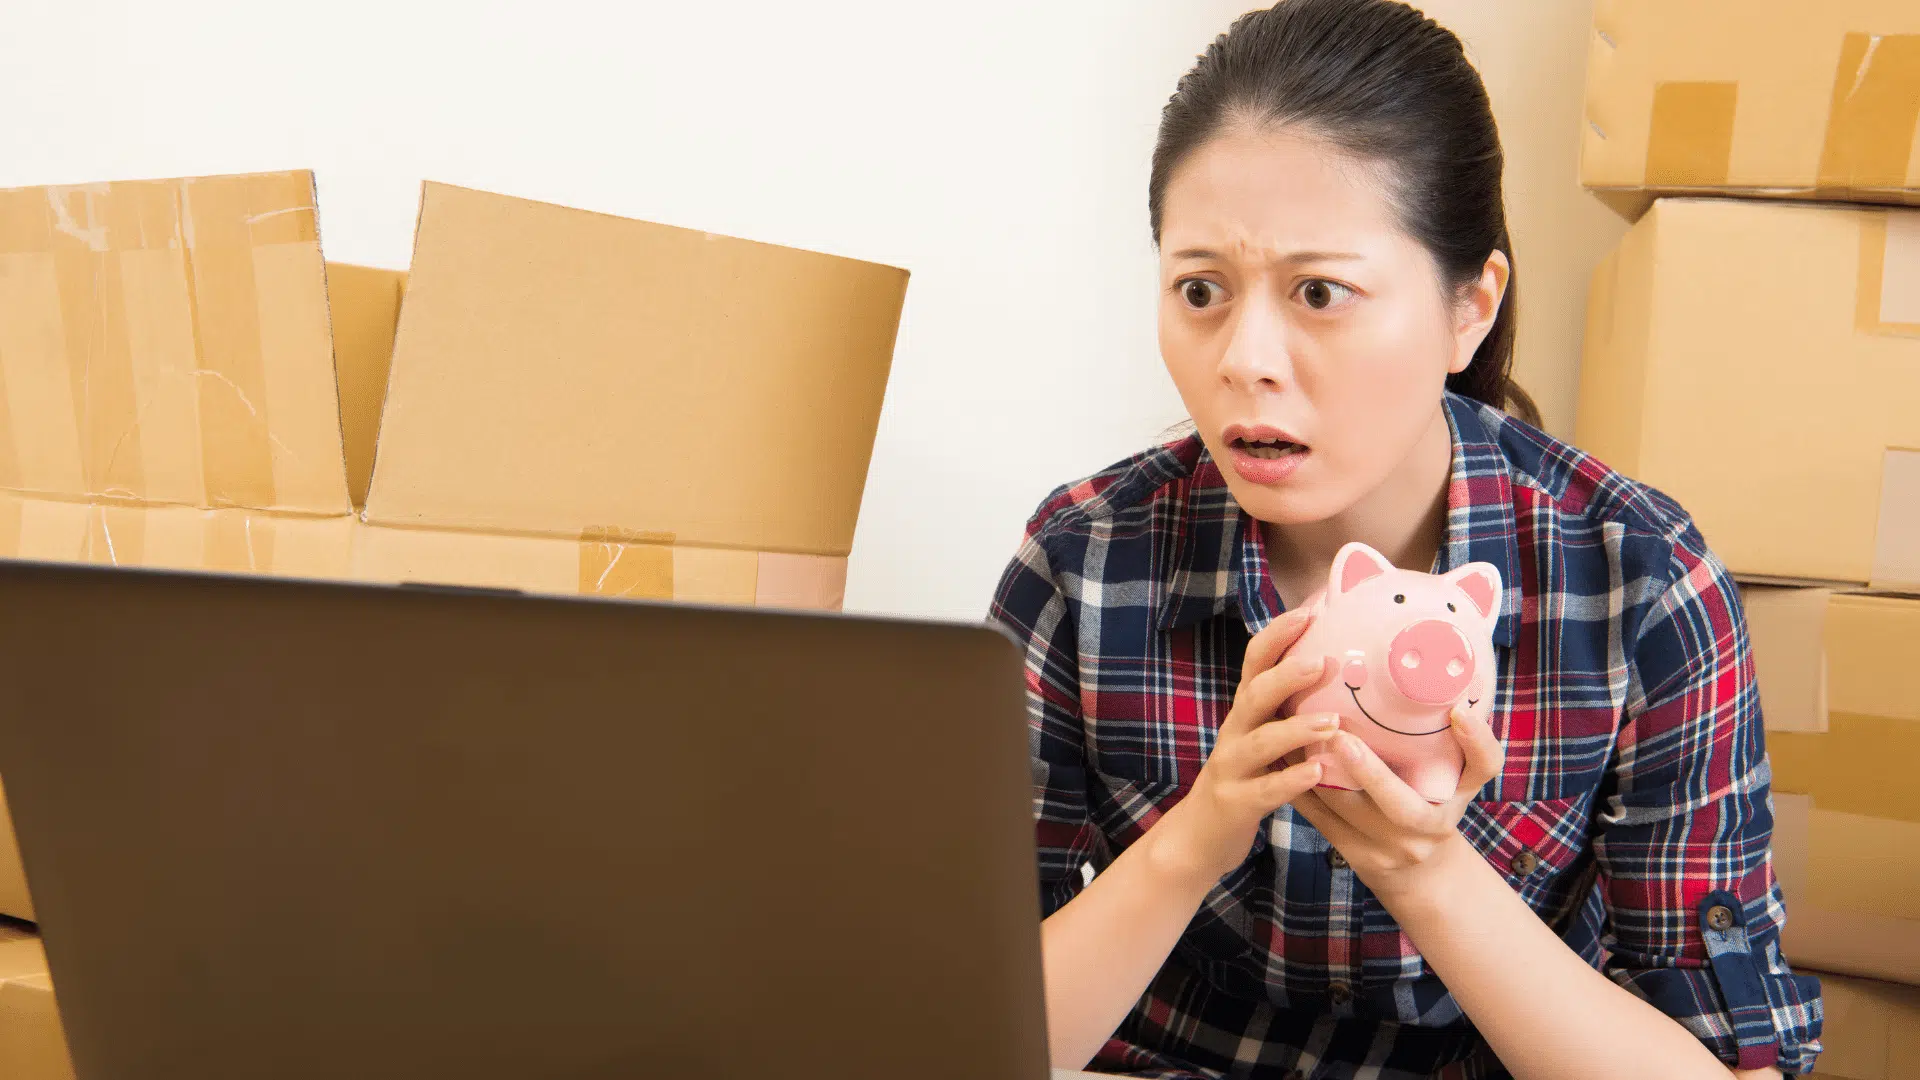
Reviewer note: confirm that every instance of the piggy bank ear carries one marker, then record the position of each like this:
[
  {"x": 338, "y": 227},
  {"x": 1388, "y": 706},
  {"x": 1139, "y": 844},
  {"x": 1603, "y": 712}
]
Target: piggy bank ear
[
  {"x": 1481, "y": 582},
  {"x": 1355, "y": 563}
]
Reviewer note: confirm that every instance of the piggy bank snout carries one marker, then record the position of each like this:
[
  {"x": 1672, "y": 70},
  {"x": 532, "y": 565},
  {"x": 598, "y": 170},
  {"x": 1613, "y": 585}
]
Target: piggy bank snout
[{"x": 1431, "y": 662}]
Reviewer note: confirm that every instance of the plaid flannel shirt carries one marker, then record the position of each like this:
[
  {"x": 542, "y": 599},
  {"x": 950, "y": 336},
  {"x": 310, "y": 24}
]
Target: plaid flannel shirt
[{"x": 1632, "y": 814}]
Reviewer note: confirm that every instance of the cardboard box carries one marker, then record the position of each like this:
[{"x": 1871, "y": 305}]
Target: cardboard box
[
  {"x": 14, "y": 899},
  {"x": 574, "y": 403},
  {"x": 365, "y": 304},
  {"x": 1871, "y": 1030},
  {"x": 32, "y": 1044},
  {"x": 602, "y": 566},
  {"x": 1840, "y": 690},
  {"x": 168, "y": 343},
  {"x": 1755, "y": 97},
  {"x": 565, "y": 374},
  {"x": 1760, "y": 363}
]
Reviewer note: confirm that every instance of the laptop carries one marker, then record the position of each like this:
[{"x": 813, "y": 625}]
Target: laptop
[{"x": 296, "y": 829}]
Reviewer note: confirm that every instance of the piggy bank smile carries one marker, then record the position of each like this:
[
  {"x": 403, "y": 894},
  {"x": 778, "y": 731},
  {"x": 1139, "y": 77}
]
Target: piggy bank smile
[{"x": 1362, "y": 706}]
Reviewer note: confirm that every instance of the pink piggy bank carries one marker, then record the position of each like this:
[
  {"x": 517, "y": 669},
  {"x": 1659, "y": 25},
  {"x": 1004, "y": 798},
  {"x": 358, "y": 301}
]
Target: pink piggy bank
[{"x": 1407, "y": 648}]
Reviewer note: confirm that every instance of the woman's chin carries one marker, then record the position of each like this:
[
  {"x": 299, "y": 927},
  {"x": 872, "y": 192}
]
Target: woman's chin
[{"x": 1298, "y": 502}]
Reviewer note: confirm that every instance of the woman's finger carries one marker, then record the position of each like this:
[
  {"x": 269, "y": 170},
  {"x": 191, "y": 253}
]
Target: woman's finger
[
  {"x": 1276, "y": 789},
  {"x": 1485, "y": 756},
  {"x": 1272, "y": 642},
  {"x": 1260, "y": 749},
  {"x": 1260, "y": 698},
  {"x": 1396, "y": 799}
]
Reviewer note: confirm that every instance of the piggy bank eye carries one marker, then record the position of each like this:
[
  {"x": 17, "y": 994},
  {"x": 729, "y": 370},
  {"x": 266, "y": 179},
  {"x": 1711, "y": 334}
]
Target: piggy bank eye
[
  {"x": 1400, "y": 598},
  {"x": 1450, "y": 607}
]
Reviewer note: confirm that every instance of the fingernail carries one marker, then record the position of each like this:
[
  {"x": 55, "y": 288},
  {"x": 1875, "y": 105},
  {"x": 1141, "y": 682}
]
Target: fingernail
[
  {"x": 1350, "y": 748},
  {"x": 1325, "y": 723}
]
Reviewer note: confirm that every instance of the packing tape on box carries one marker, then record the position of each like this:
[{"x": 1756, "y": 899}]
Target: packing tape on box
[
  {"x": 1870, "y": 124},
  {"x": 139, "y": 327},
  {"x": 177, "y": 537},
  {"x": 1788, "y": 631},
  {"x": 811, "y": 582},
  {"x": 1887, "y": 296},
  {"x": 1896, "y": 541},
  {"x": 618, "y": 562},
  {"x": 1860, "y": 765},
  {"x": 1876, "y": 107},
  {"x": 1690, "y": 135}
]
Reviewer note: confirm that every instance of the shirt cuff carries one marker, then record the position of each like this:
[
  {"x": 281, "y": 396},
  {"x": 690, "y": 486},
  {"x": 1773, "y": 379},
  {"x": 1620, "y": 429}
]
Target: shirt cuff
[{"x": 1746, "y": 1005}]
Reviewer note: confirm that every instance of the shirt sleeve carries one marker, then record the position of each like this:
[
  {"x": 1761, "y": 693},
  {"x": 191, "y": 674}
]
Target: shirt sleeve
[
  {"x": 1684, "y": 849},
  {"x": 1030, "y": 605}
]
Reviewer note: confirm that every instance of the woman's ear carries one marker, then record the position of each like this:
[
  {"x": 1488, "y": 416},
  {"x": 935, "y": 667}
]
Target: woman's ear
[{"x": 1476, "y": 310}]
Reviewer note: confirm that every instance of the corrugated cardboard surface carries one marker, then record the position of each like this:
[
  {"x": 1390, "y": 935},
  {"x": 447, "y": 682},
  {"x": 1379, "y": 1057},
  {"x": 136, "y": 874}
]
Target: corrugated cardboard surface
[
  {"x": 167, "y": 342},
  {"x": 1739, "y": 358},
  {"x": 603, "y": 566},
  {"x": 1771, "y": 97},
  {"x": 14, "y": 901},
  {"x": 365, "y": 304},
  {"x": 177, "y": 538},
  {"x": 1841, "y": 694},
  {"x": 1871, "y": 1030},
  {"x": 32, "y": 1044},
  {"x": 567, "y": 374},
  {"x": 342, "y": 549}
]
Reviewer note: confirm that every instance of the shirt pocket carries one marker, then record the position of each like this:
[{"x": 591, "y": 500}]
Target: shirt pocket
[
  {"x": 1533, "y": 843},
  {"x": 1150, "y": 754}
]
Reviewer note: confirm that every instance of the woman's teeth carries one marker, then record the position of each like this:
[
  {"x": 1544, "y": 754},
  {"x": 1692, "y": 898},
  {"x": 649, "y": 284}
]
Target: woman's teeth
[{"x": 1269, "y": 449}]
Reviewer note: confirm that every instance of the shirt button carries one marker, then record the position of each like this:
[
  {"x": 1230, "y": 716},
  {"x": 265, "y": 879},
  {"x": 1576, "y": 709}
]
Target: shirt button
[
  {"x": 1340, "y": 992},
  {"x": 1525, "y": 863},
  {"x": 1338, "y": 860},
  {"x": 1720, "y": 918}
]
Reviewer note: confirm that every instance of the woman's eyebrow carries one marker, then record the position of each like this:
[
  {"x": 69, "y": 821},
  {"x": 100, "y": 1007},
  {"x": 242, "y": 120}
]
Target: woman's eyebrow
[{"x": 1296, "y": 256}]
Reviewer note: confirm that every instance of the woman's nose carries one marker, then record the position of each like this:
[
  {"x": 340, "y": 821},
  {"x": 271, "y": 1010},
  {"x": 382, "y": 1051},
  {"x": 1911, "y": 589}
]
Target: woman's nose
[{"x": 1256, "y": 355}]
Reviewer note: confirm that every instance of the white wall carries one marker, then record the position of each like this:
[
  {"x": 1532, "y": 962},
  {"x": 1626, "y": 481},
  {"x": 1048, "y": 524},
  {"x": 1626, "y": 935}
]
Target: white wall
[
  {"x": 997, "y": 149},
  {"x": 1533, "y": 56}
]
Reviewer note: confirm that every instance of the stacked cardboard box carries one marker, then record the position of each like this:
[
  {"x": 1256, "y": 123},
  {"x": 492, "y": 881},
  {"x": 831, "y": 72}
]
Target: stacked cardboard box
[
  {"x": 550, "y": 400},
  {"x": 32, "y": 1044},
  {"x": 1753, "y": 350},
  {"x": 1872, "y": 1030}
]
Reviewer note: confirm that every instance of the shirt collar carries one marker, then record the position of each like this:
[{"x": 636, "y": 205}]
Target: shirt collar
[{"x": 1219, "y": 558}]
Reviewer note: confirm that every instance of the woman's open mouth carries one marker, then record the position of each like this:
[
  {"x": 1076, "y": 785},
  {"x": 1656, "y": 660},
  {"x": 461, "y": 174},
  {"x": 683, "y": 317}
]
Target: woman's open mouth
[{"x": 1263, "y": 455}]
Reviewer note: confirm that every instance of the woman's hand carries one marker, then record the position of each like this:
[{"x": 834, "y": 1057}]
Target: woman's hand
[
  {"x": 1388, "y": 833},
  {"x": 1211, "y": 830}
]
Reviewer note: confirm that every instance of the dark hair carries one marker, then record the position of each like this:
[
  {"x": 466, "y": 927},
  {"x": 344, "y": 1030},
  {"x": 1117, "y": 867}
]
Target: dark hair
[{"x": 1385, "y": 83}]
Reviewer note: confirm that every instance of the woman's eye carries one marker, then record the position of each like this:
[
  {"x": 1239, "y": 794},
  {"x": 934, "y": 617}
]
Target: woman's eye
[
  {"x": 1321, "y": 294},
  {"x": 1200, "y": 293}
]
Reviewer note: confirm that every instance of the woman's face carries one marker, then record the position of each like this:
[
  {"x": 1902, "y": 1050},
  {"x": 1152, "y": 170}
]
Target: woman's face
[{"x": 1309, "y": 336}]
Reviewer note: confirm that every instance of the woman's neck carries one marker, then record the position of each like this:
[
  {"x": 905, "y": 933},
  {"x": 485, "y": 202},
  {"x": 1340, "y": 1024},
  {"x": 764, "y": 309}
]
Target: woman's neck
[{"x": 1404, "y": 519}]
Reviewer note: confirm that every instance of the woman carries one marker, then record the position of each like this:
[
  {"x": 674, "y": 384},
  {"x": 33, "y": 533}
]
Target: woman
[{"x": 1338, "y": 311}]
